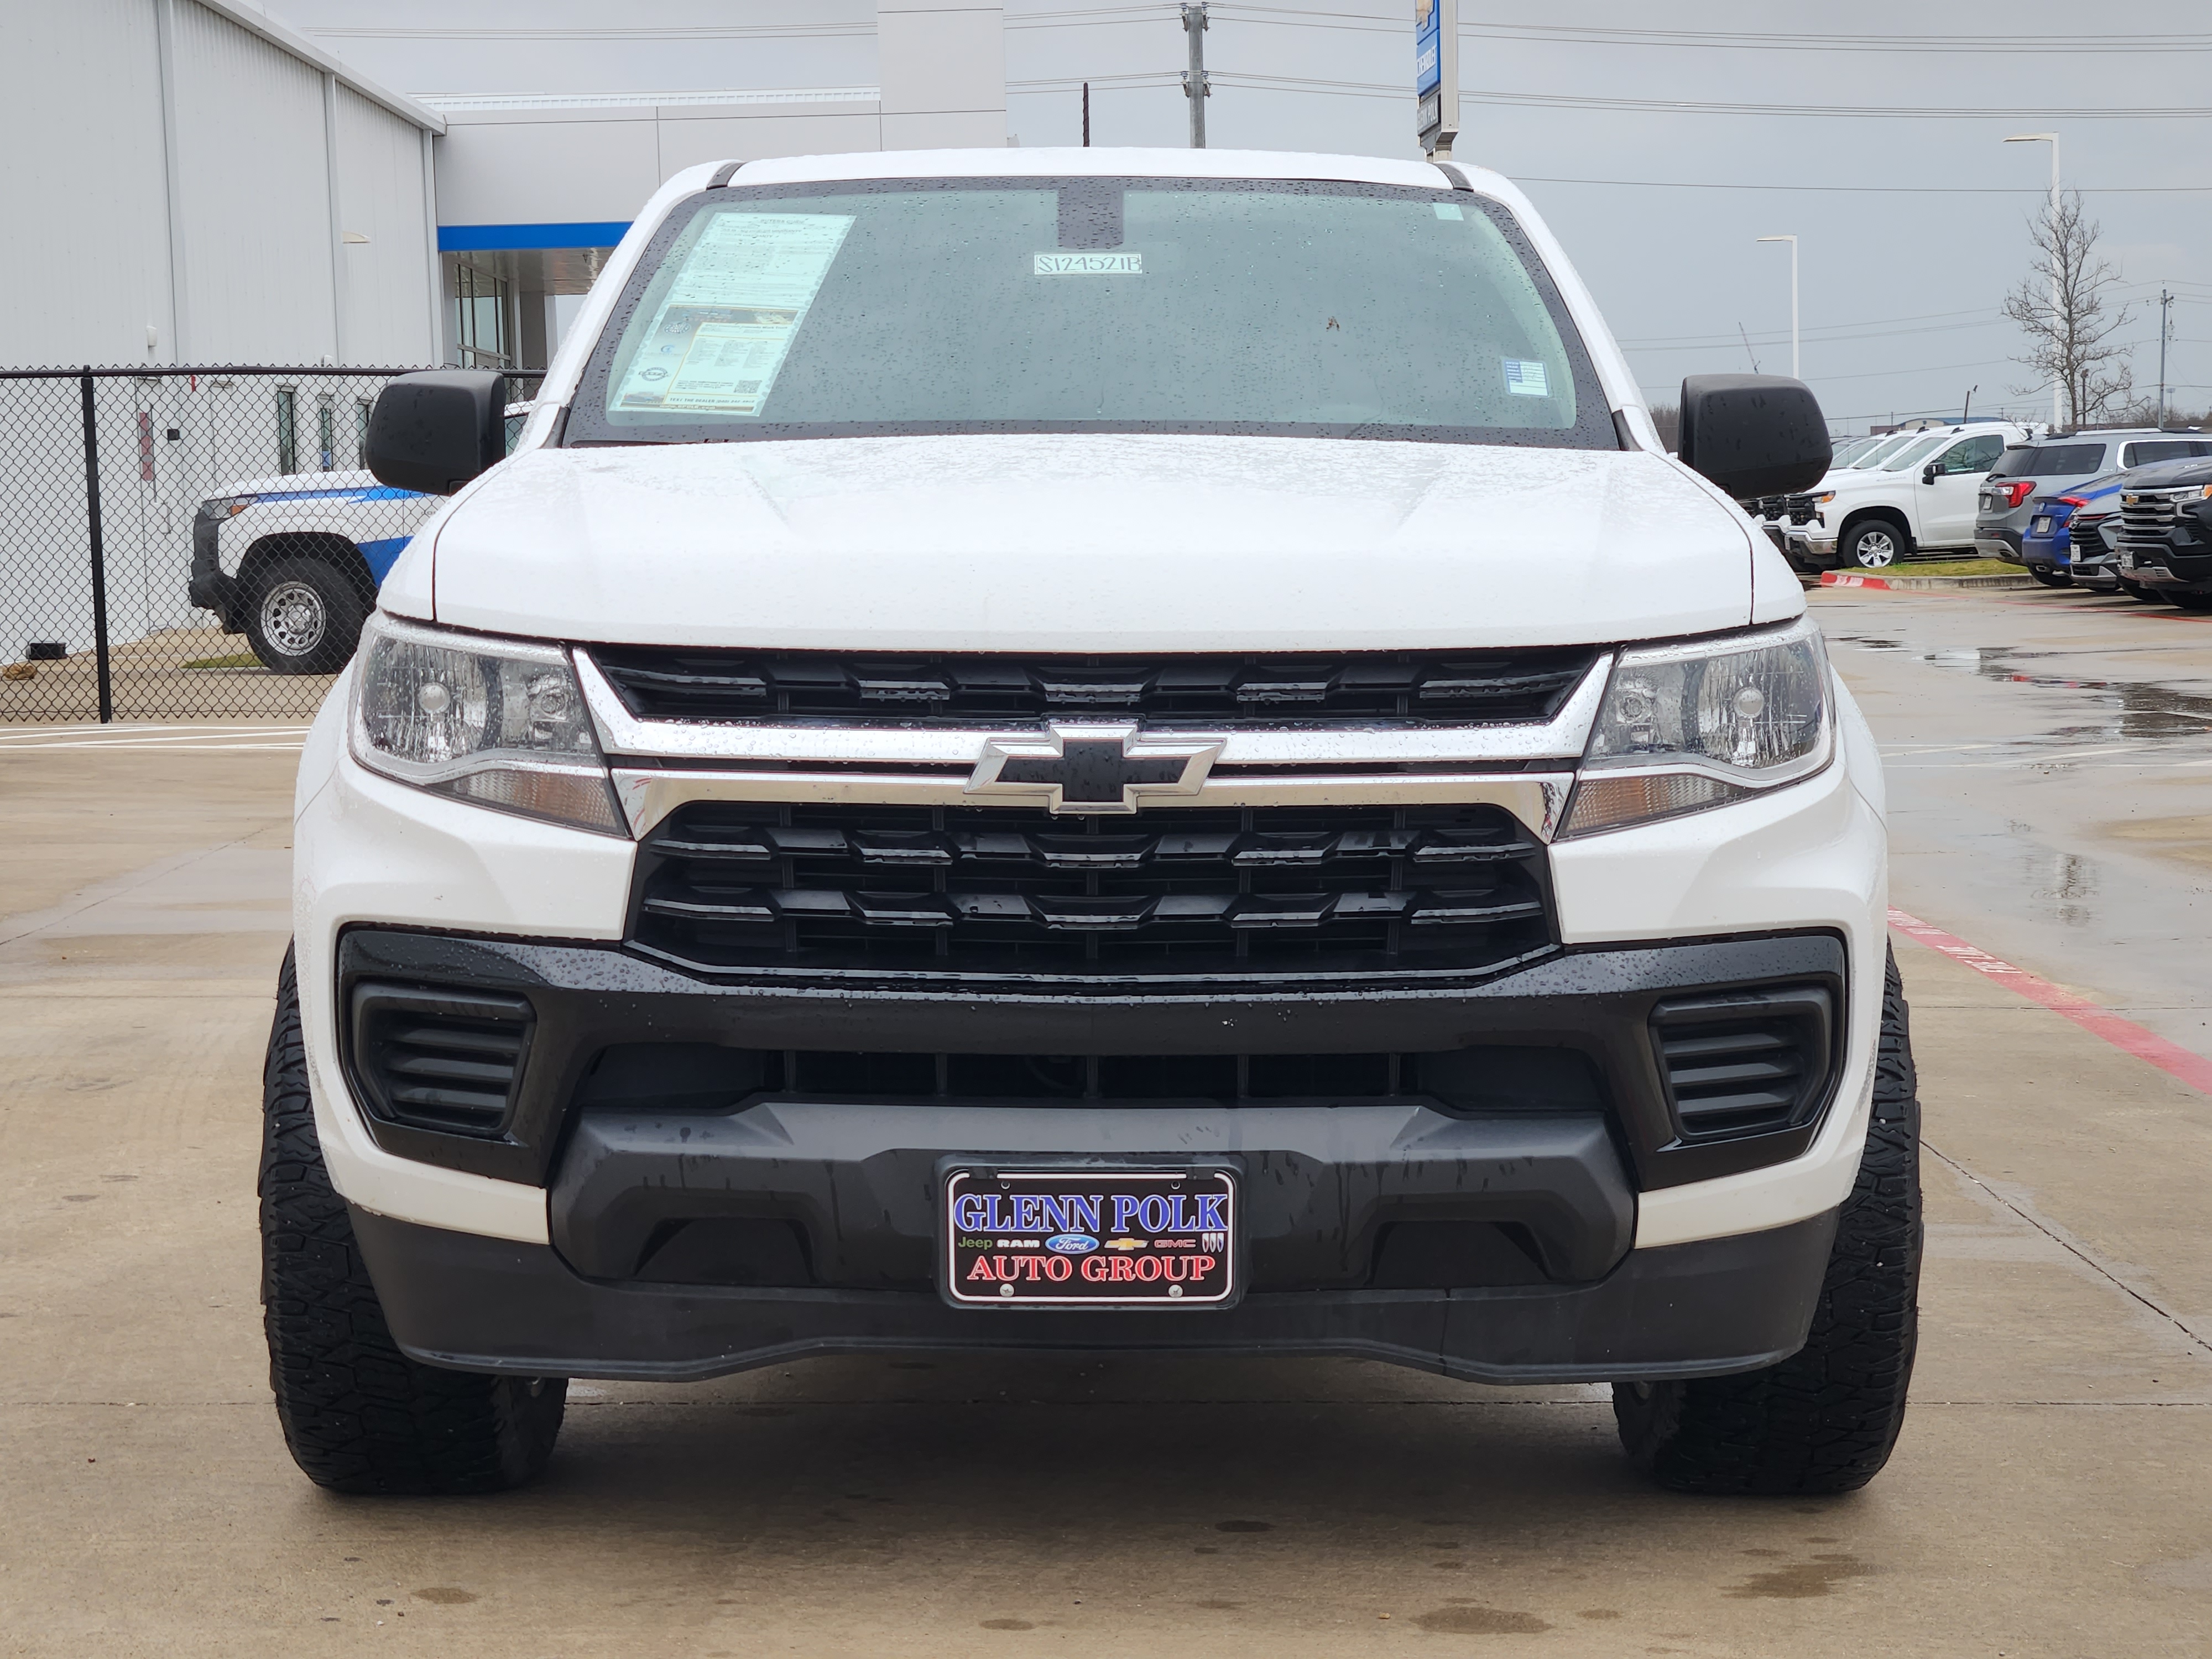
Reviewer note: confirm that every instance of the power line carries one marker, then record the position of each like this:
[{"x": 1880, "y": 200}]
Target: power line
[
  {"x": 1871, "y": 322},
  {"x": 1876, "y": 190},
  {"x": 1980, "y": 46}
]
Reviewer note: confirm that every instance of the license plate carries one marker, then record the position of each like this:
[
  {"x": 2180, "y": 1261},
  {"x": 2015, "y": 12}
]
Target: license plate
[
  {"x": 1073, "y": 1236},
  {"x": 2038, "y": 527}
]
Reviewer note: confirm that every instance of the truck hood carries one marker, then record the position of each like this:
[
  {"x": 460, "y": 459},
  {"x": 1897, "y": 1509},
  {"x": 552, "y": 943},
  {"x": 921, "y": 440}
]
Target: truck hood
[{"x": 1085, "y": 542}]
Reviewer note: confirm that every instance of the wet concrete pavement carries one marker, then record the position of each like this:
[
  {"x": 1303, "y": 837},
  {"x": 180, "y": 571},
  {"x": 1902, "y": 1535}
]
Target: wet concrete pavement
[
  {"x": 2052, "y": 1494},
  {"x": 2050, "y": 763}
]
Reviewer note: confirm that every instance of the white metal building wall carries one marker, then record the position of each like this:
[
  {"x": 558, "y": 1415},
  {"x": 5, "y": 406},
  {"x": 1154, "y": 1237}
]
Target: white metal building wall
[
  {"x": 176, "y": 168},
  {"x": 82, "y": 186},
  {"x": 254, "y": 190},
  {"x": 389, "y": 279}
]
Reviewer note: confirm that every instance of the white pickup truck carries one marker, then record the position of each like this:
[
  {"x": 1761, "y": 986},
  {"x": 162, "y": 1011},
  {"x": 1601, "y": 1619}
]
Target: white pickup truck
[
  {"x": 294, "y": 562},
  {"x": 996, "y": 772},
  {"x": 1922, "y": 497}
]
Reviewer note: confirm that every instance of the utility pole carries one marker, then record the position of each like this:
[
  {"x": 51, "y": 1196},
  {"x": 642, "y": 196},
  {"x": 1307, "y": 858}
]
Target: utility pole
[
  {"x": 1795, "y": 373},
  {"x": 1086, "y": 115},
  {"x": 2165, "y": 301},
  {"x": 2058, "y": 381},
  {"x": 1195, "y": 86}
]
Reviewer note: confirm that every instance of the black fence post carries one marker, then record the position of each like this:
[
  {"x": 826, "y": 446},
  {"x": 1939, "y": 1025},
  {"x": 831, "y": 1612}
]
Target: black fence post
[{"x": 99, "y": 552}]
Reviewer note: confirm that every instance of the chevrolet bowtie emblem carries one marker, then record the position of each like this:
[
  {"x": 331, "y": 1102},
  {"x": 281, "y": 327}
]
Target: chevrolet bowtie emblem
[{"x": 1092, "y": 768}]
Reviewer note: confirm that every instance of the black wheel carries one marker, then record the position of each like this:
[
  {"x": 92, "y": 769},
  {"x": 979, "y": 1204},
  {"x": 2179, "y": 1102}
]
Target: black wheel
[
  {"x": 1825, "y": 1419},
  {"x": 2137, "y": 590},
  {"x": 303, "y": 615},
  {"x": 359, "y": 1415},
  {"x": 2049, "y": 577},
  {"x": 2189, "y": 601},
  {"x": 1873, "y": 545}
]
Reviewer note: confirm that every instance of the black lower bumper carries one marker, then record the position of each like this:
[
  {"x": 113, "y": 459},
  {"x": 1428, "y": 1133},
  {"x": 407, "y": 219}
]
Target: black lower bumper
[
  {"x": 1705, "y": 1309},
  {"x": 210, "y": 588}
]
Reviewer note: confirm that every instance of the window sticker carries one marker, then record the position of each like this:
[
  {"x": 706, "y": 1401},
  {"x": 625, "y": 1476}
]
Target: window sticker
[
  {"x": 1087, "y": 264},
  {"x": 1527, "y": 379},
  {"x": 720, "y": 336},
  {"x": 1448, "y": 210}
]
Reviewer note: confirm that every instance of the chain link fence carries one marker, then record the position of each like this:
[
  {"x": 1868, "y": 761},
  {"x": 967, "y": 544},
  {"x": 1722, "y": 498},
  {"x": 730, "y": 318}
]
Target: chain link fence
[{"x": 191, "y": 543}]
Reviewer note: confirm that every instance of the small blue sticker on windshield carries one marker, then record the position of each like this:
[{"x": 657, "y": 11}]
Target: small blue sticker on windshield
[{"x": 1526, "y": 379}]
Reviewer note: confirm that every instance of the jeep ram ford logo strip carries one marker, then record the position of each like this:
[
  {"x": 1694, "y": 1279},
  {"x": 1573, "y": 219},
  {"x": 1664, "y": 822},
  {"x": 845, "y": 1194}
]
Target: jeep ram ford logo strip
[{"x": 1092, "y": 769}]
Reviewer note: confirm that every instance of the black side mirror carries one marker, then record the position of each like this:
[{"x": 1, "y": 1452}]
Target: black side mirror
[
  {"x": 435, "y": 431},
  {"x": 1755, "y": 435}
]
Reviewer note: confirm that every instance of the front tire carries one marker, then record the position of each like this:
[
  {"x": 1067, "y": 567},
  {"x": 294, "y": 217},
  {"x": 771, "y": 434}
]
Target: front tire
[
  {"x": 359, "y": 1415},
  {"x": 1825, "y": 1419},
  {"x": 304, "y": 616},
  {"x": 1873, "y": 545},
  {"x": 2137, "y": 590},
  {"x": 2189, "y": 601}
]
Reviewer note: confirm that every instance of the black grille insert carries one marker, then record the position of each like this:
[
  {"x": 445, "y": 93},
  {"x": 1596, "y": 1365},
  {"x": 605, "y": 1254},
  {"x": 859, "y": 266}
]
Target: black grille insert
[
  {"x": 448, "y": 1060},
  {"x": 1458, "y": 688},
  {"x": 1746, "y": 1063},
  {"x": 696, "y": 1078},
  {"x": 1201, "y": 892}
]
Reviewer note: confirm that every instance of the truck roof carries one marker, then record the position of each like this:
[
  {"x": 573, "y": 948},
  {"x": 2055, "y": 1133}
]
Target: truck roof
[{"x": 1132, "y": 161}]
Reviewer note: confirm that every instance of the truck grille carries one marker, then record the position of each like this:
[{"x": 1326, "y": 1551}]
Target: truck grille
[
  {"x": 1194, "y": 892},
  {"x": 2146, "y": 524},
  {"x": 1219, "y": 692},
  {"x": 1800, "y": 509}
]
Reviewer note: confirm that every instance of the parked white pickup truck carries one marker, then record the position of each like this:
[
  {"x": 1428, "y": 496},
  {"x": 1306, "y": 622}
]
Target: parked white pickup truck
[
  {"x": 1920, "y": 498},
  {"x": 294, "y": 562}
]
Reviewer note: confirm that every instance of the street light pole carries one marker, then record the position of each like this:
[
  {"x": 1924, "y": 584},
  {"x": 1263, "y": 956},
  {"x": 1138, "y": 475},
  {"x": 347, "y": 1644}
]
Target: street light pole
[
  {"x": 1795, "y": 374},
  {"x": 2058, "y": 380}
]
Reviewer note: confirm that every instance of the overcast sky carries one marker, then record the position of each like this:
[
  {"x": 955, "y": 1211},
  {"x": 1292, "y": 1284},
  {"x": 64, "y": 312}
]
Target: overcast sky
[{"x": 1913, "y": 227}]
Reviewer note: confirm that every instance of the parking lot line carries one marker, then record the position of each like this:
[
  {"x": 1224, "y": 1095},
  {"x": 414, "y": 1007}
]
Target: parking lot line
[{"x": 2171, "y": 1058}]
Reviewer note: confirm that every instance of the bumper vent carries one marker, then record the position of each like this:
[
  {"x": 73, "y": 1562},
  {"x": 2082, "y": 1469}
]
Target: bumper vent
[
  {"x": 1208, "y": 891},
  {"x": 1223, "y": 693},
  {"x": 445, "y": 1061},
  {"x": 1745, "y": 1064}
]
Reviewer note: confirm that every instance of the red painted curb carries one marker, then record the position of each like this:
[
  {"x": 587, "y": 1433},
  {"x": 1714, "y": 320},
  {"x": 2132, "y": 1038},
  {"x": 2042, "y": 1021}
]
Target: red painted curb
[
  {"x": 1837, "y": 579},
  {"x": 2171, "y": 1058}
]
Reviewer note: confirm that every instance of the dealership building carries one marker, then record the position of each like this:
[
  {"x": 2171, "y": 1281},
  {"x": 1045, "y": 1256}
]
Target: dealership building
[{"x": 230, "y": 190}]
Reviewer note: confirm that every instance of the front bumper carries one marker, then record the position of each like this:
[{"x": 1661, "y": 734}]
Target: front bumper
[{"x": 1696, "y": 1309}]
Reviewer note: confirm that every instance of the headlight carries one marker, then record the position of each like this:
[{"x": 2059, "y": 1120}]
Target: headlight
[
  {"x": 1686, "y": 727},
  {"x": 498, "y": 722},
  {"x": 1824, "y": 498},
  {"x": 220, "y": 507}
]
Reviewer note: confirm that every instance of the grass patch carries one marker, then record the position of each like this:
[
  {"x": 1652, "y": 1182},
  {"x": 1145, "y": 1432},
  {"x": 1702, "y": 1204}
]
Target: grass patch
[
  {"x": 239, "y": 659},
  {"x": 1947, "y": 567}
]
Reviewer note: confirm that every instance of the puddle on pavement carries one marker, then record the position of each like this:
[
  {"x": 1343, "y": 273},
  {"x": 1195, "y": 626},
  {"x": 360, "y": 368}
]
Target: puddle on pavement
[{"x": 2131, "y": 709}]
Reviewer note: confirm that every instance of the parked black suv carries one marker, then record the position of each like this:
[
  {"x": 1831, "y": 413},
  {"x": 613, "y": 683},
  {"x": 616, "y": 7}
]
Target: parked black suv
[{"x": 2166, "y": 532}]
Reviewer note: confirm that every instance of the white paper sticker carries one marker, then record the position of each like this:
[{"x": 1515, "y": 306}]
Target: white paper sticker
[
  {"x": 1447, "y": 210},
  {"x": 720, "y": 336},
  {"x": 1087, "y": 264},
  {"x": 1527, "y": 379}
]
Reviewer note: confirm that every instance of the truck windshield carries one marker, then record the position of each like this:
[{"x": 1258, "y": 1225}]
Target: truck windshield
[
  {"x": 1881, "y": 452},
  {"x": 1905, "y": 456},
  {"x": 1069, "y": 305}
]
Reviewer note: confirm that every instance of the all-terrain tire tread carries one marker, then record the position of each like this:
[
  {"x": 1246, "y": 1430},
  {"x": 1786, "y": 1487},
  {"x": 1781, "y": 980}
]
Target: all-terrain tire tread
[
  {"x": 1825, "y": 1419},
  {"x": 359, "y": 1415}
]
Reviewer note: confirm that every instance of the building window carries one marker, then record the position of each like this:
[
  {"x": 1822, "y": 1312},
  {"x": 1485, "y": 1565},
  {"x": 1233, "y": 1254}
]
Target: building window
[
  {"x": 480, "y": 320},
  {"x": 325, "y": 439},
  {"x": 287, "y": 430},
  {"x": 361, "y": 432}
]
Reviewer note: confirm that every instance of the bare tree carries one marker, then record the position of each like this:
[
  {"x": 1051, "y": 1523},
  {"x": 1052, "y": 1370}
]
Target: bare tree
[{"x": 2063, "y": 311}]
